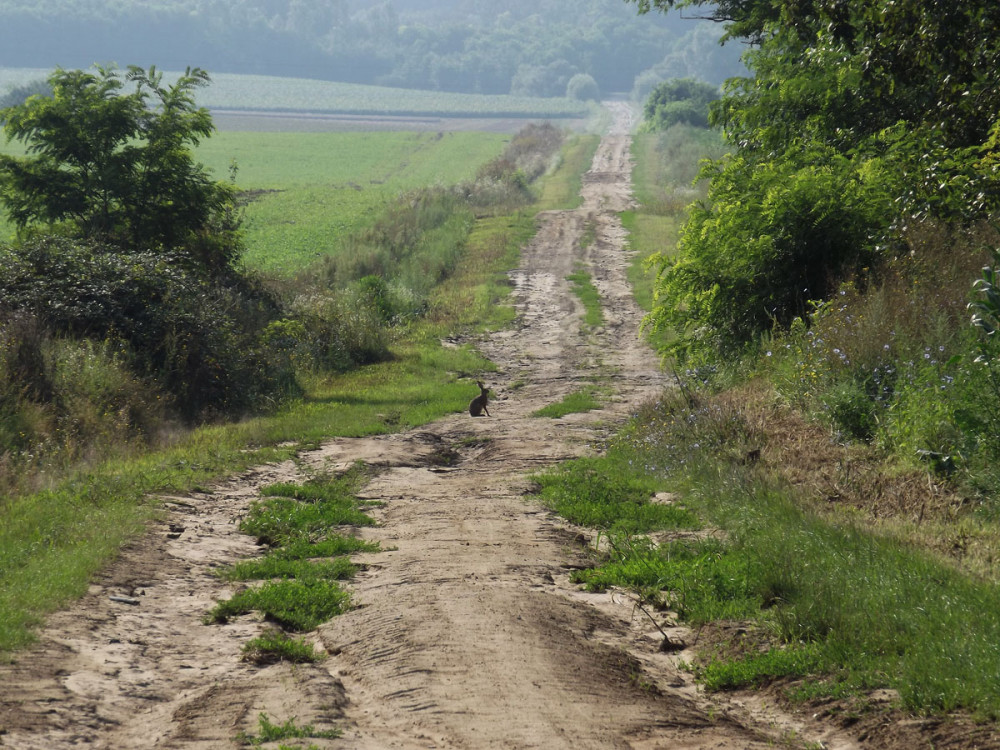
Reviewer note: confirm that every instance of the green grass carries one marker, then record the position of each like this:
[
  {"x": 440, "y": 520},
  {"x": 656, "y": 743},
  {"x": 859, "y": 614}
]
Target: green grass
[
  {"x": 584, "y": 288},
  {"x": 276, "y": 646},
  {"x": 578, "y": 401},
  {"x": 271, "y": 732},
  {"x": 312, "y": 191},
  {"x": 607, "y": 494},
  {"x": 298, "y": 605},
  {"x": 842, "y": 607}
]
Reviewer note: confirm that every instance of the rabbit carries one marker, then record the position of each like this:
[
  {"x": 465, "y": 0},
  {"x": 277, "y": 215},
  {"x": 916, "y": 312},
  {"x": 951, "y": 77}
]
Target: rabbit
[{"x": 477, "y": 407}]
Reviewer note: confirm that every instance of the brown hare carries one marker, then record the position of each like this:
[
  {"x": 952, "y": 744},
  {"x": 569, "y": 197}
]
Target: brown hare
[{"x": 477, "y": 407}]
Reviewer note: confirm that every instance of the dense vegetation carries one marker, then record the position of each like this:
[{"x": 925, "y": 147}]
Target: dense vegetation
[
  {"x": 678, "y": 101},
  {"x": 513, "y": 46},
  {"x": 842, "y": 234}
]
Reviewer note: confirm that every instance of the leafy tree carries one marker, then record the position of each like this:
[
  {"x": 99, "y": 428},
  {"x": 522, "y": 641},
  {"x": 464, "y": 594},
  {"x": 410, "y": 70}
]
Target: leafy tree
[
  {"x": 116, "y": 165},
  {"x": 583, "y": 87},
  {"x": 680, "y": 100},
  {"x": 858, "y": 119}
]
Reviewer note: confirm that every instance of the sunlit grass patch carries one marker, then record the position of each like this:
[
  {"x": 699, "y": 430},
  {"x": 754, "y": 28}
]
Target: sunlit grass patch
[
  {"x": 298, "y": 605},
  {"x": 605, "y": 494},
  {"x": 581, "y": 400},
  {"x": 275, "y": 645}
]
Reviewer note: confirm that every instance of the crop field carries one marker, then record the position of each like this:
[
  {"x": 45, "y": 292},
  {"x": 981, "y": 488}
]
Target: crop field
[
  {"x": 301, "y": 94},
  {"x": 270, "y": 93},
  {"x": 313, "y": 189},
  {"x": 310, "y": 190}
]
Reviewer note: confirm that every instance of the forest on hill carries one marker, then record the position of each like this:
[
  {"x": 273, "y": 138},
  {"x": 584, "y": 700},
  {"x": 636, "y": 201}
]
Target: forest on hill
[{"x": 509, "y": 46}]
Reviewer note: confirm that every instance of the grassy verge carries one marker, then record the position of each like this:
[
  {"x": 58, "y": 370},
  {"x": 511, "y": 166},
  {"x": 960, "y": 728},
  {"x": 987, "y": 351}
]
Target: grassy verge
[
  {"x": 832, "y": 608},
  {"x": 562, "y": 189}
]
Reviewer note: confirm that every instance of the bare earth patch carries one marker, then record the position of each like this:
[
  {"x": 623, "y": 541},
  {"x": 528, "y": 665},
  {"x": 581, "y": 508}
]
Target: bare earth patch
[{"x": 466, "y": 631}]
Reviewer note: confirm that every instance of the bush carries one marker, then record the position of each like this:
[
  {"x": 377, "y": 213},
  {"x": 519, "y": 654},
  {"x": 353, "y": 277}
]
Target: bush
[
  {"x": 200, "y": 340},
  {"x": 773, "y": 238},
  {"x": 583, "y": 87},
  {"x": 678, "y": 101}
]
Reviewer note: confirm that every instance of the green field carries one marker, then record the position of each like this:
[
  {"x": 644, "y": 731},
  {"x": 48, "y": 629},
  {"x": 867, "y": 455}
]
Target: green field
[
  {"x": 271, "y": 93},
  {"x": 310, "y": 190},
  {"x": 313, "y": 189}
]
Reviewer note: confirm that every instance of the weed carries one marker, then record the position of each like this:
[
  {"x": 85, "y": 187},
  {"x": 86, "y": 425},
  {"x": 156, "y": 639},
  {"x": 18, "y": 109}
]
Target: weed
[
  {"x": 276, "y": 646},
  {"x": 270, "y": 732}
]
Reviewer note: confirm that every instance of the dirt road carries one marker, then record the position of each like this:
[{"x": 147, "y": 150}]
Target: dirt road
[{"x": 468, "y": 633}]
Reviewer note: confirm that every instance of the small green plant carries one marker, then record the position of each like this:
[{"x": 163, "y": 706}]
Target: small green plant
[
  {"x": 275, "y": 646},
  {"x": 270, "y": 732},
  {"x": 577, "y": 401}
]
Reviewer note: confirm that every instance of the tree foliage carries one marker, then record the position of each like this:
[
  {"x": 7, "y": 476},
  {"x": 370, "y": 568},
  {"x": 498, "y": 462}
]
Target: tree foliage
[
  {"x": 678, "y": 101},
  {"x": 858, "y": 120},
  {"x": 115, "y": 164}
]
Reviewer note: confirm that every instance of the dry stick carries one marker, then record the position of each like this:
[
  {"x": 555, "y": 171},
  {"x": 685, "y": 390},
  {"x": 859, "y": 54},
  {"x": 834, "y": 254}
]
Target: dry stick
[{"x": 668, "y": 644}]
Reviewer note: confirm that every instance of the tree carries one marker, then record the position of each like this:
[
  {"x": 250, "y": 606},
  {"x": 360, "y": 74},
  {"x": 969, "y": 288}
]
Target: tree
[
  {"x": 583, "y": 87},
  {"x": 857, "y": 120},
  {"x": 680, "y": 100},
  {"x": 116, "y": 165}
]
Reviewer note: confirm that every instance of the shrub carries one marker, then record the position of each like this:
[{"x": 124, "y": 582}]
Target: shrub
[
  {"x": 678, "y": 101},
  {"x": 583, "y": 87},
  {"x": 199, "y": 339}
]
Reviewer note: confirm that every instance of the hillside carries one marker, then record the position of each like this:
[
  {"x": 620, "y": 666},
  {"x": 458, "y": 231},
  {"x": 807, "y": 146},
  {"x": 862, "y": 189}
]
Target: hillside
[{"x": 515, "y": 47}]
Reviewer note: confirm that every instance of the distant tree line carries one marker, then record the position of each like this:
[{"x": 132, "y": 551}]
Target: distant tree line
[{"x": 509, "y": 46}]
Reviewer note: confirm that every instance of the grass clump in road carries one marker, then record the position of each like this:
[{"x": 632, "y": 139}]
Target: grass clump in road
[
  {"x": 582, "y": 400},
  {"x": 293, "y": 512},
  {"x": 271, "y": 732},
  {"x": 298, "y": 605},
  {"x": 275, "y": 646},
  {"x": 583, "y": 287}
]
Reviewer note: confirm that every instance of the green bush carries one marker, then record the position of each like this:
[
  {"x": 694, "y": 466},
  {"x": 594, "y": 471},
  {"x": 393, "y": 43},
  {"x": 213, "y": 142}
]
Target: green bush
[
  {"x": 199, "y": 339},
  {"x": 773, "y": 238},
  {"x": 679, "y": 101}
]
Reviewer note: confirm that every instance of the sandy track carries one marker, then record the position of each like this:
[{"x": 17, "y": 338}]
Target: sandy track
[{"x": 468, "y": 633}]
